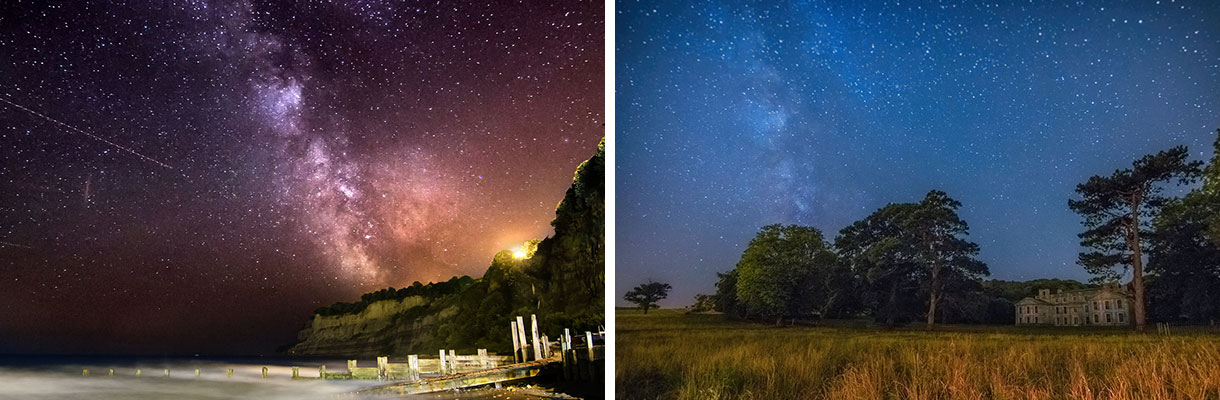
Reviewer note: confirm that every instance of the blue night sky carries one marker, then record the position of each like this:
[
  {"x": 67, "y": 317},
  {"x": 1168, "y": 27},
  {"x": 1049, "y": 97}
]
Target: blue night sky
[{"x": 734, "y": 116}]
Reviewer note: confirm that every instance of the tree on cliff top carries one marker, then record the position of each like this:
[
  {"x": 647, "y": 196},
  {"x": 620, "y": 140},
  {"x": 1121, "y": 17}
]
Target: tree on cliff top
[{"x": 572, "y": 263}]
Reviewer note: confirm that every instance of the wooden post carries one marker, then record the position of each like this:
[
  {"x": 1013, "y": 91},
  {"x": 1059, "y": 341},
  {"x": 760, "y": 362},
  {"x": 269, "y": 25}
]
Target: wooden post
[
  {"x": 413, "y": 366},
  {"x": 351, "y": 367},
  {"x": 383, "y": 367},
  {"x": 534, "y": 336},
  {"x": 452, "y": 361},
  {"x": 296, "y": 372},
  {"x": 546, "y": 347},
  {"x": 322, "y": 371},
  {"x": 264, "y": 372},
  {"x": 483, "y": 360},
  {"x": 196, "y": 372},
  {"x": 230, "y": 373},
  {"x": 565, "y": 346},
  {"x": 589, "y": 344},
  {"x": 521, "y": 336},
  {"x": 563, "y": 353},
  {"x": 516, "y": 343},
  {"x": 443, "y": 369}
]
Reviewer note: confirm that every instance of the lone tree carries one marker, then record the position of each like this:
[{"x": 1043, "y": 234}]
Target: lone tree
[
  {"x": 647, "y": 295},
  {"x": 1116, "y": 211}
]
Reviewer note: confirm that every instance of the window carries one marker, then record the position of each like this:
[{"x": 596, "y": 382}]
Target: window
[
  {"x": 1035, "y": 309},
  {"x": 1118, "y": 303},
  {"x": 1095, "y": 307},
  {"x": 1120, "y": 317},
  {"x": 1075, "y": 320},
  {"x": 1108, "y": 317},
  {"x": 1107, "y": 304},
  {"x": 1095, "y": 318}
]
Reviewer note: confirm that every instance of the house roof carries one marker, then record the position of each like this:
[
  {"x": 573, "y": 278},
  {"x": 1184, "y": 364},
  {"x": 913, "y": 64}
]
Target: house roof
[{"x": 1032, "y": 301}]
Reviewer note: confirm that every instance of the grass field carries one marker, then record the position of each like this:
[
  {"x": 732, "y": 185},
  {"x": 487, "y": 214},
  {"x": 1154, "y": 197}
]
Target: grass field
[{"x": 670, "y": 355}]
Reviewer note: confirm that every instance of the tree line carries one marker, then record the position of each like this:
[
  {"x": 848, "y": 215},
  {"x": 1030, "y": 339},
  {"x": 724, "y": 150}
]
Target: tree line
[{"x": 914, "y": 261}]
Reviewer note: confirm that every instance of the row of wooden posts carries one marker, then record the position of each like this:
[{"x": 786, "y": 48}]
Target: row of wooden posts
[
  {"x": 576, "y": 363},
  {"x": 140, "y": 372},
  {"x": 521, "y": 348},
  {"x": 448, "y": 362}
]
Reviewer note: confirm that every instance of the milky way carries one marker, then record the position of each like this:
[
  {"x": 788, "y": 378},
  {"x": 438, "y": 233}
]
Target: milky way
[
  {"x": 733, "y": 116},
  {"x": 319, "y": 150}
]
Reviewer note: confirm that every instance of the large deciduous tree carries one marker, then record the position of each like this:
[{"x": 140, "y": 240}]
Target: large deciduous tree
[
  {"x": 903, "y": 248},
  {"x": 776, "y": 274},
  {"x": 940, "y": 246},
  {"x": 1184, "y": 253},
  {"x": 878, "y": 251},
  {"x": 1116, "y": 211},
  {"x": 647, "y": 295}
]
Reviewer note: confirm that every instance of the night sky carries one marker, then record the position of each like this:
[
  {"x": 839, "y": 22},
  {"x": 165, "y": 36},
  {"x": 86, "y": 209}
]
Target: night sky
[
  {"x": 735, "y": 116},
  {"x": 232, "y": 165}
]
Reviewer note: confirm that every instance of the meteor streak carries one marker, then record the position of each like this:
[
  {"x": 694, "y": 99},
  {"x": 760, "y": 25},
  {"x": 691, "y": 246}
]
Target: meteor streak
[
  {"x": 95, "y": 137},
  {"x": 14, "y": 245}
]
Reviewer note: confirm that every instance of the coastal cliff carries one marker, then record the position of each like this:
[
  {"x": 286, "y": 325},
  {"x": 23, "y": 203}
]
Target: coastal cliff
[
  {"x": 378, "y": 330},
  {"x": 560, "y": 278}
]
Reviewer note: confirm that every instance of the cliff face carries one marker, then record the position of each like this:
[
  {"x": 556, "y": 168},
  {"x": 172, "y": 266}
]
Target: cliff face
[
  {"x": 384, "y": 327},
  {"x": 562, "y": 281}
]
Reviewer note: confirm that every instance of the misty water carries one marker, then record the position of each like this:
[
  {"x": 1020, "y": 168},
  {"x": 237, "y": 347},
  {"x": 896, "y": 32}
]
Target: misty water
[{"x": 24, "y": 377}]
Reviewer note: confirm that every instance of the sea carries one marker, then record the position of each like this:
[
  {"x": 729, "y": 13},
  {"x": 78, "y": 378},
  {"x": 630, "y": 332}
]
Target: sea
[{"x": 63, "y": 377}]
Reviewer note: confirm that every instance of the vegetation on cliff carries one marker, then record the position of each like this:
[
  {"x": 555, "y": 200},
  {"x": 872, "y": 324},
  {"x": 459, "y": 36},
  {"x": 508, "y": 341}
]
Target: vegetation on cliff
[{"x": 561, "y": 279}]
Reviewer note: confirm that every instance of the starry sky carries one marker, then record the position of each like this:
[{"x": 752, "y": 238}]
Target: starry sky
[
  {"x": 735, "y": 115},
  {"x": 197, "y": 176}
]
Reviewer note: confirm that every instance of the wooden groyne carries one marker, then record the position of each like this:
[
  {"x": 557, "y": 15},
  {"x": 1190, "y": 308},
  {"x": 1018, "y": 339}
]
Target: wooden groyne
[{"x": 580, "y": 358}]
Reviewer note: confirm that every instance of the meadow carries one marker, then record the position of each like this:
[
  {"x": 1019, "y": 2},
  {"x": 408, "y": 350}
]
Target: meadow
[{"x": 667, "y": 354}]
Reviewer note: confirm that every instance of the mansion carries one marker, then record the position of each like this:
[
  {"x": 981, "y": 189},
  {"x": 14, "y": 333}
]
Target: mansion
[{"x": 1109, "y": 305}]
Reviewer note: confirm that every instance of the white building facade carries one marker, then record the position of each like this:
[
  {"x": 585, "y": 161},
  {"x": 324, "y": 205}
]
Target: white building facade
[{"x": 1109, "y": 305}]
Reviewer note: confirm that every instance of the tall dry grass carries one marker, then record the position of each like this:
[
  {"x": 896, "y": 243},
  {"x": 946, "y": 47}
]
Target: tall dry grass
[{"x": 669, "y": 355}]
